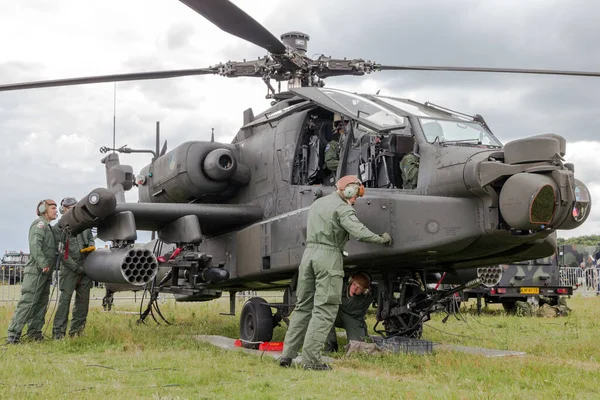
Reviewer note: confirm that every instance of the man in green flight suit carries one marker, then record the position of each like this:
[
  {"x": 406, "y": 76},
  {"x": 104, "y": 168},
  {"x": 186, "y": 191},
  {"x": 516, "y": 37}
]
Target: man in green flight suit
[
  {"x": 35, "y": 290},
  {"x": 73, "y": 279},
  {"x": 409, "y": 170},
  {"x": 357, "y": 297},
  {"x": 332, "y": 150},
  {"x": 320, "y": 276}
]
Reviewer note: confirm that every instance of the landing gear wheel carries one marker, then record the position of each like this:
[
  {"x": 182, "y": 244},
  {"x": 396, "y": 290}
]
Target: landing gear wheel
[{"x": 256, "y": 323}]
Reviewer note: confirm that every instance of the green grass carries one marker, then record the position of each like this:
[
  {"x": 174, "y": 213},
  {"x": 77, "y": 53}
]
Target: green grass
[{"x": 119, "y": 358}]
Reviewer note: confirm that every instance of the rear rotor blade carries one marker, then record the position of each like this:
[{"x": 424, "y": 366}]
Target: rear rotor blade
[
  {"x": 483, "y": 69},
  {"x": 231, "y": 19},
  {"x": 107, "y": 78}
]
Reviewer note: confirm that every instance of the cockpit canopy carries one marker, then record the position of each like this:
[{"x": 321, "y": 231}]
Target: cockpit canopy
[{"x": 382, "y": 114}]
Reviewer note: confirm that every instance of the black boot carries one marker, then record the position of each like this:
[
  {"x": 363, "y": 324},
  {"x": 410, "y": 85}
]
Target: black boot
[
  {"x": 318, "y": 367},
  {"x": 13, "y": 340},
  {"x": 285, "y": 362},
  {"x": 331, "y": 347}
]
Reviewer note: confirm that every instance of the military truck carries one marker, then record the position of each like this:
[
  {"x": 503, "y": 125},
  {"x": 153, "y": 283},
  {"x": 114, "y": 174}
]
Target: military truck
[
  {"x": 12, "y": 266},
  {"x": 537, "y": 281}
]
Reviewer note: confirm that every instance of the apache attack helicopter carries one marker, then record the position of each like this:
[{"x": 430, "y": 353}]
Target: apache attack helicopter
[{"x": 232, "y": 217}]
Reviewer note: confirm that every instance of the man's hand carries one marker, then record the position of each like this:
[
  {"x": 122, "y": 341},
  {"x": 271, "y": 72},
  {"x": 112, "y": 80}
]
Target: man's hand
[
  {"x": 387, "y": 239},
  {"x": 45, "y": 270}
]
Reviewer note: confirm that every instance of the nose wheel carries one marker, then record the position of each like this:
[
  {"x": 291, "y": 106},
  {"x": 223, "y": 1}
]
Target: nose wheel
[{"x": 256, "y": 323}]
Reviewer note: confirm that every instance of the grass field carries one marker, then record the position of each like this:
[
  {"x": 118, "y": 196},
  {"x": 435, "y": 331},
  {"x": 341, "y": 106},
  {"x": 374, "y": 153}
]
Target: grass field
[{"x": 117, "y": 358}]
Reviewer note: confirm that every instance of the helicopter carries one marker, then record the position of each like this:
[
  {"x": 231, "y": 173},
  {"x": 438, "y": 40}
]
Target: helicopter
[{"x": 232, "y": 216}]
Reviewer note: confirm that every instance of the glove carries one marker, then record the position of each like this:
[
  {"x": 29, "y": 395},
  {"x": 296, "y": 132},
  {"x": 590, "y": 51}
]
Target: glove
[
  {"x": 387, "y": 239},
  {"x": 88, "y": 249}
]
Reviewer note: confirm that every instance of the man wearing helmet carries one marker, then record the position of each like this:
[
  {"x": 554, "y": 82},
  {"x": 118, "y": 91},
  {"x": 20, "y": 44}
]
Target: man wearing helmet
[
  {"x": 35, "y": 290},
  {"x": 72, "y": 279},
  {"x": 331, "y": 219},
  {"x": 332, "y": 150},
  {"x": 357, "y": 297}
]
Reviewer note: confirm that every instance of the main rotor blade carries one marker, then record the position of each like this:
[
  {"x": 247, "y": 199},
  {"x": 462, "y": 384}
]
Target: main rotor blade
[
  {"x": 233, "y": 20},
  {"x": 136, "y": 76},
  {"x": 483, "y": 69}
]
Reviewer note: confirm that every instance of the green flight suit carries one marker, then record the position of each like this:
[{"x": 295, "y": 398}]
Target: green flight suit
[
  {"x": 351, "y": 315},
  {"x": 409, "y": 168},
  {"x": 332, "y": 155},
  {"x": 320, "y": 275},
  {"x": 72, "y": 279},
  {"x": 35, "y": 289}
]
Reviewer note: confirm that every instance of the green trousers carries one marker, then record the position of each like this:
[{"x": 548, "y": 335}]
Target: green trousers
[
  {"x": 32, "y": 306},
  {"x": 356, "y": 328},
  {"x": 319, "y": 294},
  {"x": 80, "y": 284}
]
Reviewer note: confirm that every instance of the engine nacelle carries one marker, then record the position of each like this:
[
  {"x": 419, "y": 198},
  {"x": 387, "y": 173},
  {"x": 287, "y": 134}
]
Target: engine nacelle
[{"x": 193, "y": 171}]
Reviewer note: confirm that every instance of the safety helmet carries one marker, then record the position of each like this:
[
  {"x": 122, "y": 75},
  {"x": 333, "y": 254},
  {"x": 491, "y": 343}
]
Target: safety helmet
[
  {"x": 67, "y": 202},
  {"x": 350, "y": 186}
]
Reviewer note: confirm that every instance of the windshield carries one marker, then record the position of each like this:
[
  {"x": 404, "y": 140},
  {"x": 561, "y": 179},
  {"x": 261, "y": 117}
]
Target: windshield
[
  {"x": 368, "y": 110},
  {"x": 452, "y": 131}
]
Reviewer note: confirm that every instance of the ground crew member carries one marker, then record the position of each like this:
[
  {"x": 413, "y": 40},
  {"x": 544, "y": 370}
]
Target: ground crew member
[
  {"x": 357, "y": 297},
  {"x": 330, "y": 220},
  {"x": 72, "y": 279},
  {"x": 35, "y": 289}
]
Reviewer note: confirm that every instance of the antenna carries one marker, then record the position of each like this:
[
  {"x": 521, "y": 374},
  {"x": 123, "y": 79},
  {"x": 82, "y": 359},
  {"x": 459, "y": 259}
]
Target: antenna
[
  {"x": 212, "y": 135},
  {"x": 114, "y": 115}
]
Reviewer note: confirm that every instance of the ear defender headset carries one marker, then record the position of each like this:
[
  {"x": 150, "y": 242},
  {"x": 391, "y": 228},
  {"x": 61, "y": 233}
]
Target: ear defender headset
[
  {"x": 352, "y": 188},
  {"x": 67, "y": 202},
  {"x": 43, "y": 206},
  {"x": 366, "y": 290}
]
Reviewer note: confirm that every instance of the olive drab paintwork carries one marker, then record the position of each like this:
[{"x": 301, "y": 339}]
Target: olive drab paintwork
[
  {"x": 351, "y": 315},
  {"x": 72, "y": 279},
  {"x": 35, "y": 290},
  {"x": 319, "y": 293}
]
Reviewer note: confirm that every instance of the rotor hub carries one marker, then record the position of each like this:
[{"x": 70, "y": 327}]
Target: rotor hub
[{"x": 296, "y": 40}]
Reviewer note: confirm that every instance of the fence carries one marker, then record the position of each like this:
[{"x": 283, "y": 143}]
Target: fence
[
  {"x": 583, "y": 281},
  {"x": 11, "y": 276}
]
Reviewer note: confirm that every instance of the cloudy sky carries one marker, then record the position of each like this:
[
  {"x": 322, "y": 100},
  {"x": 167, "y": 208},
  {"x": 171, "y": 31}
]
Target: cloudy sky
[{"x": 51, "y": 136}]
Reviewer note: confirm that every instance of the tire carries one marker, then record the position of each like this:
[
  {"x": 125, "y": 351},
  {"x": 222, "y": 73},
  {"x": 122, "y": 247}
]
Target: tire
[{"x": 256, "y": 323}]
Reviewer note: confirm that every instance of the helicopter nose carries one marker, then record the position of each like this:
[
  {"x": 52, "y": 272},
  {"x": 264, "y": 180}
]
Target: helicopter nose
[{"x": 531, "y": 201}]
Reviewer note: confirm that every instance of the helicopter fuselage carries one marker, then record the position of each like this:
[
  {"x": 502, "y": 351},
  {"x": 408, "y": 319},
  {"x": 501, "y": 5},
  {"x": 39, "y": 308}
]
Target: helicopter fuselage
[{"x": 467, "y": 210}]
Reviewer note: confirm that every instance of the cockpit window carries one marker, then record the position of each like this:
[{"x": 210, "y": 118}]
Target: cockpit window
[
  {"x": 363, "y": 108},
  {"x": 457, "y": 132}
]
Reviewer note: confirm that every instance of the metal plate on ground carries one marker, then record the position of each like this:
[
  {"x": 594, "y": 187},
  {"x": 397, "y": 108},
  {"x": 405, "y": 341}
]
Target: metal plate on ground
[
  {"x": 228, "y": 343},
  {"x": 478, "y": 350}
]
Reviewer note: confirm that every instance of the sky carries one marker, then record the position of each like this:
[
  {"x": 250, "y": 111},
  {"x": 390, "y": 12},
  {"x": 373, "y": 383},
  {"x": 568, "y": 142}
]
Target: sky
[{"x": 51, "y": 137}]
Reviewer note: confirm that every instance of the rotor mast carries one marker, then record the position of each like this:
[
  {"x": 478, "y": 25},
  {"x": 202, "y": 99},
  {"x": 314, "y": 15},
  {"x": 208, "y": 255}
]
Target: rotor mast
[{"x": 299, "y": 42}]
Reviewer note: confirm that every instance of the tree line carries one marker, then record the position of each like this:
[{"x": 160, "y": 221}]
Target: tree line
[{"x": 587, "y": 240}]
